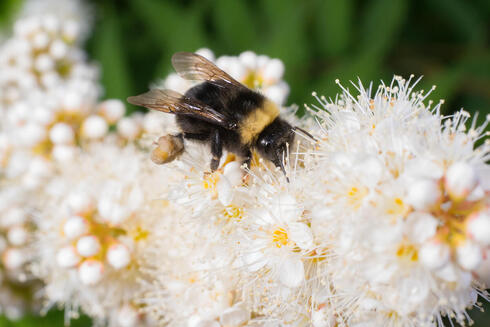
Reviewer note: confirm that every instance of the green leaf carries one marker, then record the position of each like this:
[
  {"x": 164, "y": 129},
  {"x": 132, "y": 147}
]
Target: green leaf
[{"x": 109, "y": 51}]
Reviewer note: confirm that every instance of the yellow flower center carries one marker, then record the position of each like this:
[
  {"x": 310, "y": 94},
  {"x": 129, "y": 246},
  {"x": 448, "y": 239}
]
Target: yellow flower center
[
  {"x": 253, "y": 80},
  {"x": 140, "y": 234},
  {"x": 397, "y": 207},
  {"x": 355, "y": 196},
  {"x": 280, "y": 237},
  {"x": 408, "y": 252},
  {"x": 210, "y": 182},
  {"x": 233, "y": 212}
]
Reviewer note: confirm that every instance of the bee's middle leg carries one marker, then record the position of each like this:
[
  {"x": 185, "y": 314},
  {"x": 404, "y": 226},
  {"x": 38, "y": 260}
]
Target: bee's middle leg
[
  {"x": 194, "y": 136},
  {"x": 216, "y": 149}
]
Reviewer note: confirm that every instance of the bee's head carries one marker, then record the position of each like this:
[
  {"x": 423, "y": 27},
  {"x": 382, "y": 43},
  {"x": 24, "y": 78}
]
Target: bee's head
[{"x": 274, "y": 140}]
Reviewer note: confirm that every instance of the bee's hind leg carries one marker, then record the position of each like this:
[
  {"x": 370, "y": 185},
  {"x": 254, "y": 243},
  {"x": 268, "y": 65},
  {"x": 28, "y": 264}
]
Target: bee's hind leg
[{"x": 216, "y": 149}]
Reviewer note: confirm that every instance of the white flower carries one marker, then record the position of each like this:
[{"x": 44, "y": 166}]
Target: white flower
[
  {"x": 275, "y": 238},
  {"x": 257, "y": 72}
]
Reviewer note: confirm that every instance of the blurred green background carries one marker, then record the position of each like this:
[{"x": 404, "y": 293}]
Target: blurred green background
[{"x": 446, "y": 41}]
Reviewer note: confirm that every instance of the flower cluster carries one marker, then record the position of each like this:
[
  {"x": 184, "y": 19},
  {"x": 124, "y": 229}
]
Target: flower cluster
[
  {"x": 100, "y": 218},
  {"x": 385, "y": 221},
  {"x": 258, "y": 72},
  {"x": 51, "y": 114},
  {"x": 403, "y": 208}
]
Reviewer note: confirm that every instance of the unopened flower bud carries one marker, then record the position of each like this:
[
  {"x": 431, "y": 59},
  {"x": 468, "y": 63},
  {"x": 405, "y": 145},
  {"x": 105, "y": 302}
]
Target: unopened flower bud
[
  {"x": 423, "y": 194},
  {"x": 75, "y": 227},
  {"x": 469, "y": 255},
  {"x": 479, "y": 227},
  {"x": 17, "y": 235},
  {"x": 460, "y": 180},
  {"x": 13, "y": 258},
  {"x": 112, "y": 110},
  {"x": 67, "y": 257},
  {"x": 40, "y": 40},
  {"x": 127, "y": 316},
  {"x": 94, "y": 127},
  {"x": 58, "y": 49},
  {"x": 61, "y": 133},
  {"x": 434, "y": 254},
  {"x": 118, "y": 256},
  {"x": 70, "y": 30},
  {"x": 129, "y": 128},
  {"x": 33, "y": 134},
  {"x": 44, "y": 63},
  {"x": 63, "y": 153},
  {"x": 90, "y": 272},
  {"x": 88, "y": 246},
  {"x": 483, "y": 270},
  {"x": 80, "y": 202}
]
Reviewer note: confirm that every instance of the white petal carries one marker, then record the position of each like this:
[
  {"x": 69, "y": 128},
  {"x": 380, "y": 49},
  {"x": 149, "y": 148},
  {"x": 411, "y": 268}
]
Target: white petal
[
  {"x": 286, "y": 208},
  {"x": 448, "y": 272},
  {"x": 262, "y": 217},
  {"x": 254, "y": 260},
  {"x": 233, "y": 173},
  {"x": 373, "y": 169},
  {"x": 291, "y": 272},
  {"x": 423, "y": 168},
  {"x": 235, "y": 316},
  {"x": 225, "y": 192},
  {"x": 301, "y": 234},
  {"x": 421, "y": 226}
]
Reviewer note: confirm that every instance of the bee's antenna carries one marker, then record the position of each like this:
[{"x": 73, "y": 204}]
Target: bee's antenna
[{"x": 296, "y": 128}]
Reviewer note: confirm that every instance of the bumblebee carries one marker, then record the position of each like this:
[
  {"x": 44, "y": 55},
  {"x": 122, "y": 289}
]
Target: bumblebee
[{"x": 222, "y": 112}]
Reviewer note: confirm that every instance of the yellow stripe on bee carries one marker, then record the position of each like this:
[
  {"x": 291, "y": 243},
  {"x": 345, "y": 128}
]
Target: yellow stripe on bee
[{"x": 257, "y": 120}]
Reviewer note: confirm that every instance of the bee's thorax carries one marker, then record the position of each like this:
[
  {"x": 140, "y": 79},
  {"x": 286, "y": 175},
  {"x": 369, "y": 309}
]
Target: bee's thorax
[{"x": 255, "y": 122}]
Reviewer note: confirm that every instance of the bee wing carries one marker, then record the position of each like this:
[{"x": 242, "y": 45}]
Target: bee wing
[
  {"x": 192, "y": 66},
  {"x": 175, "y": 103}
]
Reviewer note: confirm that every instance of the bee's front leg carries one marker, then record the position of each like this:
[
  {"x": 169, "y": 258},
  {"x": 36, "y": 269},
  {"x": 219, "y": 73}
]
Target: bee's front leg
[
  {"x": 216, "y": 149},
  {"x": 247, "y": 158}
]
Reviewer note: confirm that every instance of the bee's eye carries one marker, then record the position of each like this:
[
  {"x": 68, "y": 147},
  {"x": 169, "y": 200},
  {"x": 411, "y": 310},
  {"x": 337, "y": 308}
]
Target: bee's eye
[{"x": 265, "y": 142}]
